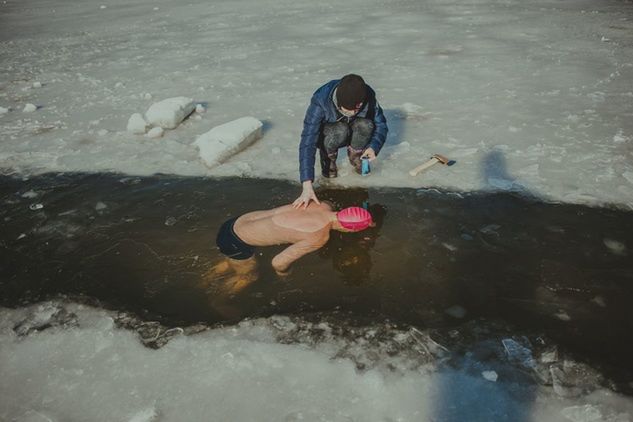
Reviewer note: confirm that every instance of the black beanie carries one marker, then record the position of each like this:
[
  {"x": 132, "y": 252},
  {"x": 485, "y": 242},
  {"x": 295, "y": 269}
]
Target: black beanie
[{"x": 350, "y": 91}]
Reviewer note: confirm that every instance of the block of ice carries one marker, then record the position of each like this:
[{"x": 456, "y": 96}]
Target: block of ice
[
  {"x": 137, "y": 124},
  {"x": 572, "y": 379},
  {"x": 518, "y": 353},
  {"x": 490, "y": 375},
  {"x": 155, "y": 132},
  {"x": 3, "y": 110},
  {"x": 616, "y": 247},
  {"x": 29, "y": 108},
  {"x": 223, "y": 141},
  {"x": 170, "y": 112}
]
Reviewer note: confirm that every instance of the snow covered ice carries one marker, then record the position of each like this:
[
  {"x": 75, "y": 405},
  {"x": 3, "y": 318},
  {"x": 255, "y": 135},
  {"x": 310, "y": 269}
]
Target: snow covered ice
[
  {"x": 528, "y": 97},
  {"x": 223, "y": 141},
  {"x": 137, "y": 124},
  {"x": 66, "y": 361},
  {"x": 168, "y": 113}
]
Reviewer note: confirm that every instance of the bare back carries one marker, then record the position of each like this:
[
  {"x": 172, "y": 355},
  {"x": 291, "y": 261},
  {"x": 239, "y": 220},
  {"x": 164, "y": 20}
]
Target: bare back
[
  {"x": 284, "y": 225},
  {"x": 305, "y": 229}
]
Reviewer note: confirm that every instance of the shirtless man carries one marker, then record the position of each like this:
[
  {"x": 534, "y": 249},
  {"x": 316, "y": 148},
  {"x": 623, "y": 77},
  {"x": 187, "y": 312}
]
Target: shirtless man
[{"x": 306, "y": 230}]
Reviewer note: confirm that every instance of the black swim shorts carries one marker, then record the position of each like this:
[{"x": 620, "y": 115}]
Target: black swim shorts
[{"x": 230, "y": 244}]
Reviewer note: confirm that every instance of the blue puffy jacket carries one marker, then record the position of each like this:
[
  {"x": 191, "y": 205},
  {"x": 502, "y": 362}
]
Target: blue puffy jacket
[{"x": 323, "y": 110}]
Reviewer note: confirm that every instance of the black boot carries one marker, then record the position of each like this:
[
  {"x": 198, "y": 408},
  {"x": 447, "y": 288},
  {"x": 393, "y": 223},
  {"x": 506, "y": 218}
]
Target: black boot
[
  {"x": 328, "y": 163},
  {"x": 354, "y": 158}
]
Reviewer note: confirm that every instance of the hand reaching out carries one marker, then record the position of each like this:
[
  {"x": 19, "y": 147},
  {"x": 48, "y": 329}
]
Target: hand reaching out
[{"x": 306, "y": 196}]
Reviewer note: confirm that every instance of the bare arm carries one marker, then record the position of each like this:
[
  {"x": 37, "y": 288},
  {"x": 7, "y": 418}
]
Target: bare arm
[{"x": 281, "y": 262}]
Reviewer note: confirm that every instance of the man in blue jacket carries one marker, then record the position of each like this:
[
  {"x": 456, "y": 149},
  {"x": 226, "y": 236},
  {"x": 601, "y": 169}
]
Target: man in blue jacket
[{"x": 342, "y": 113}]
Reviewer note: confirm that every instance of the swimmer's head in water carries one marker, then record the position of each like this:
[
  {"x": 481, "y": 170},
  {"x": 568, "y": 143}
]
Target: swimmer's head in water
[{"x": 354, "y": 219}]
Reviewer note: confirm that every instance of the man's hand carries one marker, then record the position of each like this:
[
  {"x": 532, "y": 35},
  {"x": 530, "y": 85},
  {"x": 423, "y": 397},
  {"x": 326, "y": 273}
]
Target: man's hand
[
  {"x": 307, "y": 195},
  {"x": 280, "y": 269},
  {"x": 283, "y": 274},
  {"x": 369, "y": 153}
]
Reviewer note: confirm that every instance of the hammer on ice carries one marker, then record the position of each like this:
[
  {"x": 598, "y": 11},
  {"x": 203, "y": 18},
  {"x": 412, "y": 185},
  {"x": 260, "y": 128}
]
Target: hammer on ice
[{"x": 436, "y": 158}]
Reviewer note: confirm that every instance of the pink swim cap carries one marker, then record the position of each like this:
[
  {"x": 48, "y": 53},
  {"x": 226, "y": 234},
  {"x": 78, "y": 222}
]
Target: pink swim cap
[{"x": 354, "y": 218}]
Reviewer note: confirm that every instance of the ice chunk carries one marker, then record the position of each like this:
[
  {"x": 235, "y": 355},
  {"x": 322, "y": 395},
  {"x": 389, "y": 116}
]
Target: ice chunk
[
  {"x": 200, "y": 108},
  {"x": 490, "y": 229},
  {"x": 616, "y": 247},
  {"x": 36, "y": 84},
  {"x": 3, "y": 110},
  {"x": 490, "y": 375},
  {"x": 136, "y": 124},
  {"x": 30, "y": 194},
  {"x": 550, "y": 355},
  {"x": 221, "y": 142},
  {"x": 450, "y": 247},
  {"x": 571, "y": 379},
  {"x": 562, "y": 315},
  {"x": 170, "y": 112},
  {"x": 518, "y": 353},
  {"x": 43, "y": 316},
  {"x": 29, "y": 108},
  {"x": 155, "y": 132}
]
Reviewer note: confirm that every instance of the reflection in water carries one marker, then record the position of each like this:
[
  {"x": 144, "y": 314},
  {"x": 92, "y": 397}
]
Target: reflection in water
[
  {"x": 350, "y": 252},
  {"x": 435, "y": 259}
]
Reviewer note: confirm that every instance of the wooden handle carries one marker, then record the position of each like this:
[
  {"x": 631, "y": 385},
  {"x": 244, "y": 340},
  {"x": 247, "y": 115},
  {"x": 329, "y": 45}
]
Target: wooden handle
[{"x": 423, "y": 166}]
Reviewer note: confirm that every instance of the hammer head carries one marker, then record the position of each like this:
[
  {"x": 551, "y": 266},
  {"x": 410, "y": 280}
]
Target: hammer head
[{"x": 441, "y": 159}]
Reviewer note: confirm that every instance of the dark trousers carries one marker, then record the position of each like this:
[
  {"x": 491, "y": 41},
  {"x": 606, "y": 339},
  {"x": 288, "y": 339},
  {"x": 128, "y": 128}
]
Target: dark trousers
[
  {"x": 339, "y": 134},
  {"x": 355, "y": 135}
]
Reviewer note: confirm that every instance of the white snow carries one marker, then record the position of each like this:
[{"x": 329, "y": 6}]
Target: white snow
[
  {"x": 29, "y": 108},
  {"x": 170, "y": 112},
  {"x": 459, "y": 79},
  {"x": 137, "y": 124},
  {"x": 223, "y": 141},
  {"x": 3, "y": 110}
]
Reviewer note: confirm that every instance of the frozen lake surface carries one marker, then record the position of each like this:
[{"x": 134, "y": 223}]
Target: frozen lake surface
[{"x": 544, "y": 87}]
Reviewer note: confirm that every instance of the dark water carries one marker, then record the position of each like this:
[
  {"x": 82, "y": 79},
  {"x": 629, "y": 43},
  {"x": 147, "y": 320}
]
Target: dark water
[{"x": 145, "y": 244}]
